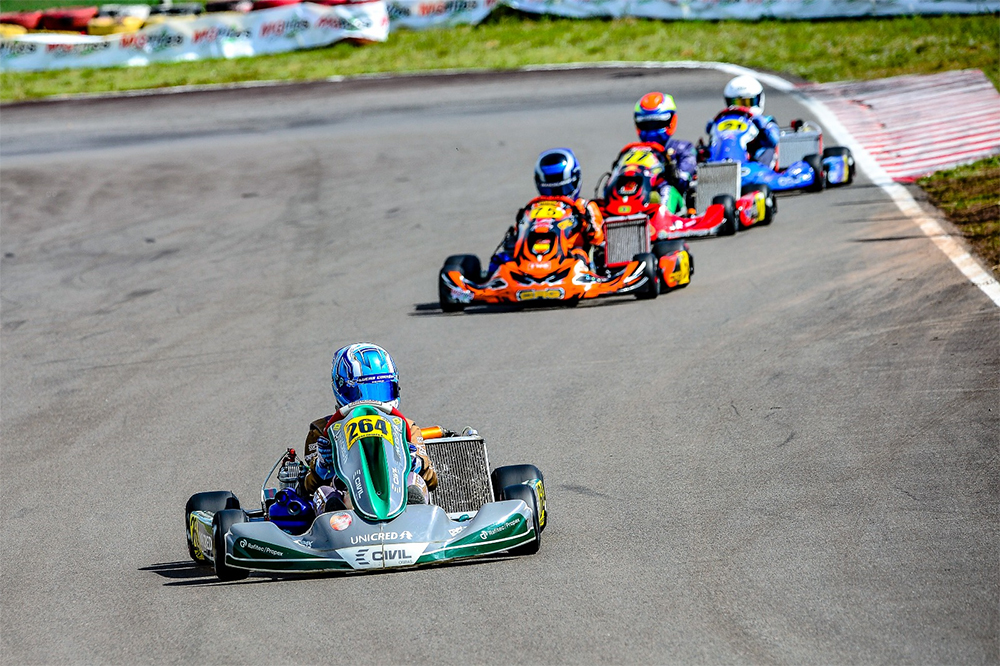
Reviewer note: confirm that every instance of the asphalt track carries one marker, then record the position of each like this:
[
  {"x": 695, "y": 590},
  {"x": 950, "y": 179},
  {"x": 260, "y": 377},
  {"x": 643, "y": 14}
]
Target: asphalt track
[{"x": 793, "y": 460}]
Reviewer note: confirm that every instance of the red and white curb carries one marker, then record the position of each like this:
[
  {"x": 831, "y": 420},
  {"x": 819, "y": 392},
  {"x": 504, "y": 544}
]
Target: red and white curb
[
  {"x": 827, "y": 117},
  {"x": 915, "y": 125}
]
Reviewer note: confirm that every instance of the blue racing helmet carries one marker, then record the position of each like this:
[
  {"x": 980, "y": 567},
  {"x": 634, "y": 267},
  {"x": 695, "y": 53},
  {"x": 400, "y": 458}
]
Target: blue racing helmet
[
  {"x": 557, "y": 173},
  {"x": 364, "y": 371}
]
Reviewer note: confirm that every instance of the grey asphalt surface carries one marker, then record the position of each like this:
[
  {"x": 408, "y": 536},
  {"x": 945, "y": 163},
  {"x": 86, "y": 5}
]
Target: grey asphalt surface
[{"x": 792, "y": 461}]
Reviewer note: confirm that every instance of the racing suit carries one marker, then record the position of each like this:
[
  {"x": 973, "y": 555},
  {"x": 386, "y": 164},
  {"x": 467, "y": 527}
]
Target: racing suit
[
  {"x": 319, "y": 454},
  {"x": 680, "y": 153},
  {"x": 762, "y": 148},
  {"x": 586, "y": 214}
]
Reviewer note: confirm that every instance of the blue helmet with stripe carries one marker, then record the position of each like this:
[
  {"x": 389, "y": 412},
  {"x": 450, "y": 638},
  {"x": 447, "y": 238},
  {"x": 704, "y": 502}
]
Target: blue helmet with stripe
[
  {"x": 557, "y": 173},
  {"x": 364, "y": 371}
]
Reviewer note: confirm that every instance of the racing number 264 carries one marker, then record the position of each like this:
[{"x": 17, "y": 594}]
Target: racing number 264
[{"x": 367, "y": 426}]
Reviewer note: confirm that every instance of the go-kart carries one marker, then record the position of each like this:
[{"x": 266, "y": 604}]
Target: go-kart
[
  {"x": 374, "y": 520},
  {"x": 628, "y": 192},
  {"x": 802, "y": 162},
  {"x": 547, "y": 266}
]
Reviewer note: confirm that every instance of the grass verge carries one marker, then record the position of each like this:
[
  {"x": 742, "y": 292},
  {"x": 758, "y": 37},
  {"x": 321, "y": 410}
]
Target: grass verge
[
  {"x": 813, "y": 50},
  {"x": 969, "y": 196}
]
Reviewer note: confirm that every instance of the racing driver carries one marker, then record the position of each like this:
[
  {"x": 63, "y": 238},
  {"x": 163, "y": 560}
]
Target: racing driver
[
  {"x": 746, "y": 91},
  {"x": 362, "y": 371},
  {"x": 557, "y": 179},
  {"x": 655, "y": 122}
]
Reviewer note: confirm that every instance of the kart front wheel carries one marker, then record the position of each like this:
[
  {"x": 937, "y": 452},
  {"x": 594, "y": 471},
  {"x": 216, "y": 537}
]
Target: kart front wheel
[
  {"x": 210, "y": 502},
  {"x": 730, "y": 220},
  {"x": 651, "y": 288},
  {"x": 665, "y": 248},
  {"x": 527, "y": 495},
  {"x": 845, "y": 153},
  {"x": 770, "y": 205},
  {"x": 819, "y": 180},
  {"x": 222, "y": 522},
  {"x": 527, "y": 475}
]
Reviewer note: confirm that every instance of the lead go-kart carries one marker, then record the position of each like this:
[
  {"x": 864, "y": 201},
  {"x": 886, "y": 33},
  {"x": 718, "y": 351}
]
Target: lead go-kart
[
  {"x": 802, "y": 162},
  {"x": 547, "y": 265},
  {"x": 376, "y": 520}
]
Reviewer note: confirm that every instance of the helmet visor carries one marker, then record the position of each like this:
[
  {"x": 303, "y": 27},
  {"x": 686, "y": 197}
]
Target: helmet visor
[
  {"x": 658, "y": 122},
  {"x": 380, "y": 388},
  {"x": 747, "y": 102}
]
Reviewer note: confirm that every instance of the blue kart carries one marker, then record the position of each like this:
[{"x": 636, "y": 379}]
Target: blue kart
[{"x": 803, "y": 163}]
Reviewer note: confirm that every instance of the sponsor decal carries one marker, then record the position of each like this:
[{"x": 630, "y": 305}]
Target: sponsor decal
[
  {"x": 14, "y": 49},
  {"x": 368, "y": 426},
  {"x": 455, "y": 530},
  {"x": 381, "y": 536},
  {"x": 445, "y": 8},
  {"x": 248, "y": 546},
  {"x": 371, "y": 557},
  {"x": 487, "y": 533},
  {"x": 60, "y": 50},
  {"x": 157, "y": 41},
  {"x": 340, "y": 521},
  {"x": 288, "y": 28},
  {"x": 339, "y": 23},
  {"x": 536, "y": 294},
  {"x": 218, "y": 33}
]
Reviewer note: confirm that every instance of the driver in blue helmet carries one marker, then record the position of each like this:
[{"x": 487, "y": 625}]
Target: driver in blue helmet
[
  {"x": 557, "y": 179},
  {"x": 746, "y": 92},
  {"x": 362, "y": 372}
]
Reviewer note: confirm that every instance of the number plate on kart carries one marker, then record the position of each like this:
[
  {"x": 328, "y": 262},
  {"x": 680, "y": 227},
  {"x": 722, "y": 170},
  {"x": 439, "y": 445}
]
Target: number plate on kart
[{"x": 536, "y": 294}]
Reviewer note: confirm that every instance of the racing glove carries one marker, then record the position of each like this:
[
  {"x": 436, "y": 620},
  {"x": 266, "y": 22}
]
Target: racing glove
[
  {"x": 422, "y": 466},
  {"x": 324, "y": 459}
]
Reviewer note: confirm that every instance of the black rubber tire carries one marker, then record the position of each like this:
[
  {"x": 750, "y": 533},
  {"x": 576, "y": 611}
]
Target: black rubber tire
[
  {"x": 816, "y": 164},
  {"x": 527, "y": 495},
  {"x": 840, "y": 151},
  {"x": 732, "y": 220},
  {"x": 213, "y": 502},
  {"x": 512, "y": 475},
  {"x": 470, "y": 268},
  {"x": 651, "y": 289},
  {"x": 666, "y": 247},
  {"x": 770, "y": 205},
  {"x": 221, "y": 524}
]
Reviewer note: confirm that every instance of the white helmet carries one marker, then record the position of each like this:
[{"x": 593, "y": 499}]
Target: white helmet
[{"x": 745, "y": 91}]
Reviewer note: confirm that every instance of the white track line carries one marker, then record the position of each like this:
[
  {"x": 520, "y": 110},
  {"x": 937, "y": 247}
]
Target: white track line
[{"x": 928, "y": 223}]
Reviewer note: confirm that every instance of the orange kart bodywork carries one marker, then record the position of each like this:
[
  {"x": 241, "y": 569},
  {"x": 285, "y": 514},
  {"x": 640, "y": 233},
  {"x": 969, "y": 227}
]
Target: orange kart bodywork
[{"x": 548, "y": 264}]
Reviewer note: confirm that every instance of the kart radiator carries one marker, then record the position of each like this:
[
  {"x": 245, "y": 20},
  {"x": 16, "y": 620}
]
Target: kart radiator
[
  {"x": 625, "y": 237},
  {"x": 463, "y": 472},
  {"x": 793, "y": 146},
  {"x": 715, "y": 178}
]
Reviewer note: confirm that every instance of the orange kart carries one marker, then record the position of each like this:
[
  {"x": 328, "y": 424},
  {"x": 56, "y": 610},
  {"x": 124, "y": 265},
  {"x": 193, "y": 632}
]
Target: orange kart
[{"x": 548, "y": 265}]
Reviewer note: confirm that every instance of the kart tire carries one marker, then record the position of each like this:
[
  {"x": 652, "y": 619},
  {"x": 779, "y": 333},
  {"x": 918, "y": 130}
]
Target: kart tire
[
  {"x": 770, "y": 205},
  {"x": 816, "y": 164},
  {"x": 468, "y": 265},
  {"x": 840, "y": 151},
  {"x": 213, "y": 502},
  {"x": 221, "y": 524},
  {"x": 667, "y": 247},
  {"x": 527, "y": 495},
  {"x": 731, "y": 220},
  {"x": 651, "y": 289},
  {"x": 513, "y": 475}
]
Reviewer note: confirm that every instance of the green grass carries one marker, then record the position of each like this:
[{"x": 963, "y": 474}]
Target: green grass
[
  {"x": 969, "y": 196},
  {"x": 813, "y": 50}
]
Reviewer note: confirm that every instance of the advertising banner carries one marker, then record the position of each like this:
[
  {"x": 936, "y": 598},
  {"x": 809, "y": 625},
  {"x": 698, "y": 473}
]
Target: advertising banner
[
  {"x": 750, "y": 9},
  {"x": 215, "y": 35},
  {"x": 419, "y": 14}
]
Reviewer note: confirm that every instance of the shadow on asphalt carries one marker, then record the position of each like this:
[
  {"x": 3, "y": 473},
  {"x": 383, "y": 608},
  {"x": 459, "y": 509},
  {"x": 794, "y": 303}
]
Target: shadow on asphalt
[{"x": 434, "y": 309}]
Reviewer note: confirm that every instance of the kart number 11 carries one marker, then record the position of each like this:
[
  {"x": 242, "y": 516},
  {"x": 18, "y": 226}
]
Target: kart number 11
[{"x": 368, "y": 426}]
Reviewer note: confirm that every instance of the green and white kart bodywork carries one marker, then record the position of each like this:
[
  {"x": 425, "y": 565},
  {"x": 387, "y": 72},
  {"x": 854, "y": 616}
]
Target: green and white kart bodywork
[{"x": 473, "y": 512}]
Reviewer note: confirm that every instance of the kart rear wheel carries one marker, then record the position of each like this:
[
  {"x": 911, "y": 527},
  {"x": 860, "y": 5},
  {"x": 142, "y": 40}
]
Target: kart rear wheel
[
  {"x": 840, "y": 151},
  {"x": 528, "y": 475},
  {"x": 730, "y": 219},
  {"x": 221, "y": 524},
  {"x": 651, "y": 289},
  {"x": 525, "y": 494},
  {"x": 470, "y": 268},
  {"x": 816, "y": 164},
  {"x": 212, "y": 502}
]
